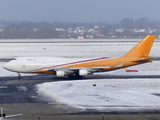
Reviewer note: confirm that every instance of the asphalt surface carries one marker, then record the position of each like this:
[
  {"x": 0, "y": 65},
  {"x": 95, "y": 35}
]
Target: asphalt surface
[{"x": 19, "y": 96}]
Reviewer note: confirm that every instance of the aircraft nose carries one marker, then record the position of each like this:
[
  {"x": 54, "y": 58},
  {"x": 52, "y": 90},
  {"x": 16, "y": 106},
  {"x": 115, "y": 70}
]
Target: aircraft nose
[{"x": 7, "y": 66}]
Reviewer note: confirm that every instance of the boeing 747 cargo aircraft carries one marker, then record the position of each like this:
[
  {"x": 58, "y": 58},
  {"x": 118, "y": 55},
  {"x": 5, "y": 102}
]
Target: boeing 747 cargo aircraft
[{"x": 81, "y": 67}]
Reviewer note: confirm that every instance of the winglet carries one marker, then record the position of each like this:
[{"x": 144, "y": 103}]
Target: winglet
[{"x": 142, "y": 49}]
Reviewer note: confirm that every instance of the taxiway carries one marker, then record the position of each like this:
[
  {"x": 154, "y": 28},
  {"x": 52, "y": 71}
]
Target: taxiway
[{"x": 20, "y": 96}]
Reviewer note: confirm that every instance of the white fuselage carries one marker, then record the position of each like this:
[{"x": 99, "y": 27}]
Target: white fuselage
[{"x": 33, "y": 64}]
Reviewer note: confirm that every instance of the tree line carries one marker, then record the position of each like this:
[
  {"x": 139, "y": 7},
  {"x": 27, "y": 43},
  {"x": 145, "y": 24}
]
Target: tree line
[{"x": 45, "y": 30}]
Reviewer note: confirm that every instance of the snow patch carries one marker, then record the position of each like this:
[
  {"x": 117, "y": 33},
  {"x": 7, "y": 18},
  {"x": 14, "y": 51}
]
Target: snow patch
[{"x": 118, "y": 93}]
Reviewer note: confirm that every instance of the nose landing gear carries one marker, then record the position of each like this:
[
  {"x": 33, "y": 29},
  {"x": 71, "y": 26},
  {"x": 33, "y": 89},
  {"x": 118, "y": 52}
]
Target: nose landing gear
[{"x": 19, "y": 76}]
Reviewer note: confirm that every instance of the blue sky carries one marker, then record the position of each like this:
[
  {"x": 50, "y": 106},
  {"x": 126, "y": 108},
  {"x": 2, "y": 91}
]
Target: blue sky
[{"x": 78, "y": 10}]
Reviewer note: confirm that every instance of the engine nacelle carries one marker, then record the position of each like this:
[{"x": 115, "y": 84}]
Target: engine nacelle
[
  {"x": 60, "y": 73},
  {"x": 83, "y": 72}
]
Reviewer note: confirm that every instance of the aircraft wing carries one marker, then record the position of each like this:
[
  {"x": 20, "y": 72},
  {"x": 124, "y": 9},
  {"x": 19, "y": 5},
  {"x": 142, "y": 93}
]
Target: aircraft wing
[
  {"x": 12, "y": 115},
  {"x": 81, "y": 70},
  {"x": 97, "y": 68}
]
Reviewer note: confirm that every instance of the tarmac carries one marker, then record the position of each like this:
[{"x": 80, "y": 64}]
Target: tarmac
[{"x": 20, "y": 97}]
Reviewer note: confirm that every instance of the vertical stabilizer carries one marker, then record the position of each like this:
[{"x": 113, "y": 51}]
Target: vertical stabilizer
[{"x": 142, "y": 49}]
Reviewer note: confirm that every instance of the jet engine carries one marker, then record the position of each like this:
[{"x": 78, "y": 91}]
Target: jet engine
[
  {"x": 84, "y": 72},
  {"x": 60, "y": 73}
]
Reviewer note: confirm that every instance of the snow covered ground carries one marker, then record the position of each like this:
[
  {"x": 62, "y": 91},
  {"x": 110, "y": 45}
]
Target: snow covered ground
[
  {"x": 85, "y": 50},
  {"x": 108, "y": 94}
]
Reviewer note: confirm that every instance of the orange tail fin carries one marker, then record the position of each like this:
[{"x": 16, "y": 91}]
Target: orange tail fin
[{"x": 142, "y": 49}]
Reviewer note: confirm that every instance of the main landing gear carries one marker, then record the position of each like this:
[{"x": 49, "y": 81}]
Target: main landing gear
[
  {"x": 75, "y": 76},
  {"x": 19, "y": 76}
]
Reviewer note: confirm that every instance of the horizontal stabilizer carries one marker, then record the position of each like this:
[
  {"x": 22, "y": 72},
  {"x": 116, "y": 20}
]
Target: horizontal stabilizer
[{"x": 144, "y": 60}]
